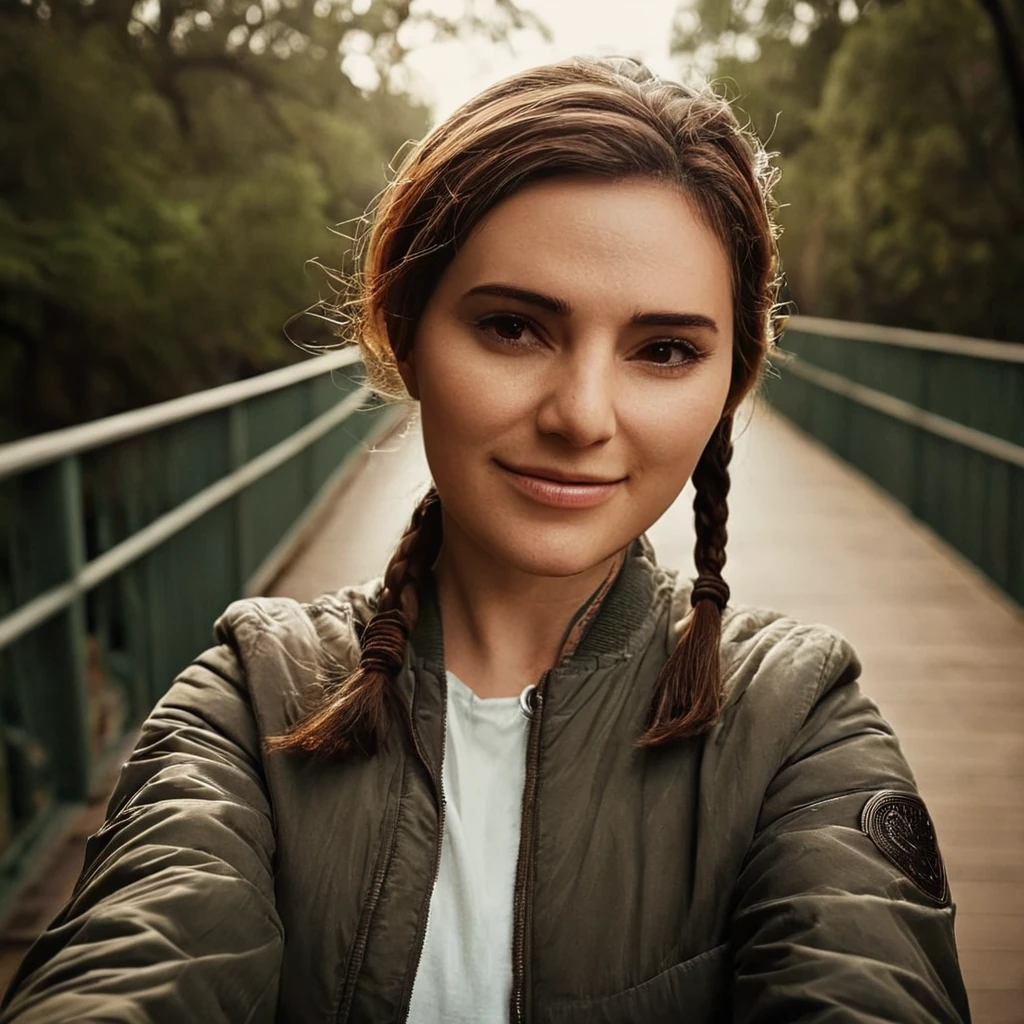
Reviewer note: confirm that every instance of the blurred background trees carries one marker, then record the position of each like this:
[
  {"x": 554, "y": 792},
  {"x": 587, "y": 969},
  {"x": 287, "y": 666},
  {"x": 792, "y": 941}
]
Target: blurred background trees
[
  {"x": 172, "y": 169},
  {"x": 169, "y": 168},
  {"x": 898, "y": 125}
]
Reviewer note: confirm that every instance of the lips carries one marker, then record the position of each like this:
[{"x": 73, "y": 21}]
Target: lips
[
  {"x": 558, "y": 477},
  {"x": 551, "y": 487}
]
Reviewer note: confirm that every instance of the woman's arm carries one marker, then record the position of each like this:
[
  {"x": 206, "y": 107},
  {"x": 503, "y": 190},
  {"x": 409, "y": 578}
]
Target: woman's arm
[
  {"x": 173, "y": 917},
  {"x": 828, "y": 926}
]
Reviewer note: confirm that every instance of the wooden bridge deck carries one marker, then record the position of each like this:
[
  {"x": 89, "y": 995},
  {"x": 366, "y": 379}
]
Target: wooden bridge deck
[{"x": 942, "y": 652}]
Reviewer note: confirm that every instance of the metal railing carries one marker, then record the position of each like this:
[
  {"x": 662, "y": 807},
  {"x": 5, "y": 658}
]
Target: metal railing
[
  {"x": 122, "y": 540},
  {"x": 937, "y": 420}
]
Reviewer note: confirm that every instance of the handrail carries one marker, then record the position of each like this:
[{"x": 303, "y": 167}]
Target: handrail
[
  {"x": 897, "y": 408},
  {"x": 35, "y": 451},
  {"x": 940, "y": 430},
  {"x": 905, "y": 337},
  {"x": 40, "y": 608},
  {"x": 119, "y": 560}
]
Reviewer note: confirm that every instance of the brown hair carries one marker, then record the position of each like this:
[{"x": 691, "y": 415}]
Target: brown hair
[{"x": 609, "y": 118}]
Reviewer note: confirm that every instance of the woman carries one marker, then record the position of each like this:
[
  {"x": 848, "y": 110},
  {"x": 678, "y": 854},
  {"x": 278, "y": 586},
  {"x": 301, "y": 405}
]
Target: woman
[{"x": 529, "y": 774}]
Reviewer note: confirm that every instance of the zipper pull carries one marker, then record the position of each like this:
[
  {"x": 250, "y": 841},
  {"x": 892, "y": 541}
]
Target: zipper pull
[{"x": 528, "y": 701}]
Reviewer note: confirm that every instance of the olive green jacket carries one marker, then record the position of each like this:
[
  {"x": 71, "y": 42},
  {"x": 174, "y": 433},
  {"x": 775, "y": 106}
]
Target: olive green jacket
[{"x": 724, "y": 878}]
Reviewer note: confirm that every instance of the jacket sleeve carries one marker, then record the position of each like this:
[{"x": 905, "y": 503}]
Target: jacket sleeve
[
  {"x": 826, "y": 926},
  {"x": 173, "y": 917}
]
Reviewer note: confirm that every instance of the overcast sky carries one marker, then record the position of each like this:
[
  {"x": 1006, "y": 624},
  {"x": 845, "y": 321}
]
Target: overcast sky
[{"x": 447, "y": 74}]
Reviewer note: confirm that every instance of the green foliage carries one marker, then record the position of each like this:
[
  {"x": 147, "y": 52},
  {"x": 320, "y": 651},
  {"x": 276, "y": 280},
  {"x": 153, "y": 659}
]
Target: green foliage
[
  {"x": 903, "y": 182},
  {"x": 919, "y": 176},
  {"x": 170, "y": 168}
]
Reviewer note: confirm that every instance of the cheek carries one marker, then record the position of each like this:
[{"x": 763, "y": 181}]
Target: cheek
[
  {"x": 468, "y": 398},
  {"x": 669, "y": 427}
]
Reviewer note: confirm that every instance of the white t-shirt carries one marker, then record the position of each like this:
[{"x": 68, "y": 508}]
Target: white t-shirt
[{"x": 465, "y": 973}]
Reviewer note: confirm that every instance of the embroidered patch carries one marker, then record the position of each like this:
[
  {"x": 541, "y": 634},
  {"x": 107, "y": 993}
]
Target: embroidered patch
[{"x": 899, "y": 825}]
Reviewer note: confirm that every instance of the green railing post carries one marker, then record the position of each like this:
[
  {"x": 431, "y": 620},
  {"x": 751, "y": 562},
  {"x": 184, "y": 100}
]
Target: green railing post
[
  {"x": 238, "y": 454},
  {"x": 308, "y": 413},
  {"x": 71, "y": 760},
  {"x": 134, "y": 589}
]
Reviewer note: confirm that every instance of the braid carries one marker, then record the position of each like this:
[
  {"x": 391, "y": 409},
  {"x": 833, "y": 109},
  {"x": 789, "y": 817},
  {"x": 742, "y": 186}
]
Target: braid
[
  {"x": 688, "y": 694},
  {"x": 356, "y": 714},
  {"x": 711, "y": 509},
  {"x": 412, "y": 558}
]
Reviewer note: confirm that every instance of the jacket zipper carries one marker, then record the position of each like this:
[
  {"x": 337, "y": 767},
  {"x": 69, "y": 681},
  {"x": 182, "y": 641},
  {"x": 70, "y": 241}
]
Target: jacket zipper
[
  {"x": 439, "y": 796},
  {"x": 524, "y": 866},
  {"x": 359, "y": 946}
]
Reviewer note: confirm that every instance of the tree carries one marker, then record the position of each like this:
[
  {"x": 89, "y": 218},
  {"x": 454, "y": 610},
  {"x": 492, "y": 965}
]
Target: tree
[
  {"x": 772, "y": 56},
  {"x": 916, "y": 211},
  {"x": 1011, "y": 45},
  {"x": 902, "y": 193},
  {"x": 176, "y": 165}
]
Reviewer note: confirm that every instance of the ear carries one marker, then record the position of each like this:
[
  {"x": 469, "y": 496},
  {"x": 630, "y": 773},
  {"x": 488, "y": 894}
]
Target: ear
[{"x": 407, "y": 371}]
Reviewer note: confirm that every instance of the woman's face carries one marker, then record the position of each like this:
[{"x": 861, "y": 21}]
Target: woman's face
[{"x": 570, "y": 366}]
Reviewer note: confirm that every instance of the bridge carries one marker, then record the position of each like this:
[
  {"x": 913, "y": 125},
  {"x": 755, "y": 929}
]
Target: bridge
[{"x": 878, "y": 486}]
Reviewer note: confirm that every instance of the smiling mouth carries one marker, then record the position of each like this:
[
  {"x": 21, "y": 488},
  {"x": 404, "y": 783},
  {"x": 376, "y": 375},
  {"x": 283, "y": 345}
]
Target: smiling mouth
[
  {"x": 557, "y": 477},
  {"x": 551, "y": 488}
]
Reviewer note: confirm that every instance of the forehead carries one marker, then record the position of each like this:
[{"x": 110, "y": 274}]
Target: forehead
[{"x": 636, "y": 242}]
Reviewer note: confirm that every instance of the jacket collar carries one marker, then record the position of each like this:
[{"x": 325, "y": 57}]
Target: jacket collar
[
  {"x": 608, "y": 626},
  {"x": 604, "y": 624},
  {"x": 614, "y": 621}
]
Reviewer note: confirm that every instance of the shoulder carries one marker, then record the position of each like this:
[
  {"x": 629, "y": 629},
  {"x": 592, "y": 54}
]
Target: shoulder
[
  {"x": 794, "y": 717},
  {"x": 280, "y": 647},
  {"x": 773, "y": 662},
  {"x": 769, "y": 656},
  {"x": 332, "y": 622}
]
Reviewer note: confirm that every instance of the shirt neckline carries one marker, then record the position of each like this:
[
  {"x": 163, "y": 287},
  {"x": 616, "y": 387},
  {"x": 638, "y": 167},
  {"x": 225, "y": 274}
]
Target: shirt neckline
[{"x": 462, "y": 691}]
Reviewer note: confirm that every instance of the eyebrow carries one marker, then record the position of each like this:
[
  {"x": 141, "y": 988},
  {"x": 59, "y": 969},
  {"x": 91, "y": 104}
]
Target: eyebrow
[{"x": 563, "y": 308}]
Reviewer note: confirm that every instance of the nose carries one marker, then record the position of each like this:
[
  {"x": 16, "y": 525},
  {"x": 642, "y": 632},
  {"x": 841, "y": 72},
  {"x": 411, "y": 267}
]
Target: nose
[{"x": 579, "y": 404}]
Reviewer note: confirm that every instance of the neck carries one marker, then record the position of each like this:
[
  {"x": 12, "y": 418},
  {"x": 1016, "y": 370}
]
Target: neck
[{"x": 503, "y": 627}]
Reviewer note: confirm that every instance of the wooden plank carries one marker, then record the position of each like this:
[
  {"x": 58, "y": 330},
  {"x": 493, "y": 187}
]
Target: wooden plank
[
  {"x": 997, "y": 1006},
  {"x": 983, "y": 932}
]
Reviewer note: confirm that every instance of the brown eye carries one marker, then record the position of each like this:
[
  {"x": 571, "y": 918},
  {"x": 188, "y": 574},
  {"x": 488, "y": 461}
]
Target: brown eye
[
  {"x": 506, "y": 327},
  {"x": 663, "y": 352},
  {"x": 670, "y": 353},
  {"x": 510, "y": 327}
]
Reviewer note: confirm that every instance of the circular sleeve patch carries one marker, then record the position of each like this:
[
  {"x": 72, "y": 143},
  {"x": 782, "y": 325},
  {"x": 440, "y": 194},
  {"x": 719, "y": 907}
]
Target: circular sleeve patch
[{"x": 899, "y": 825}]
